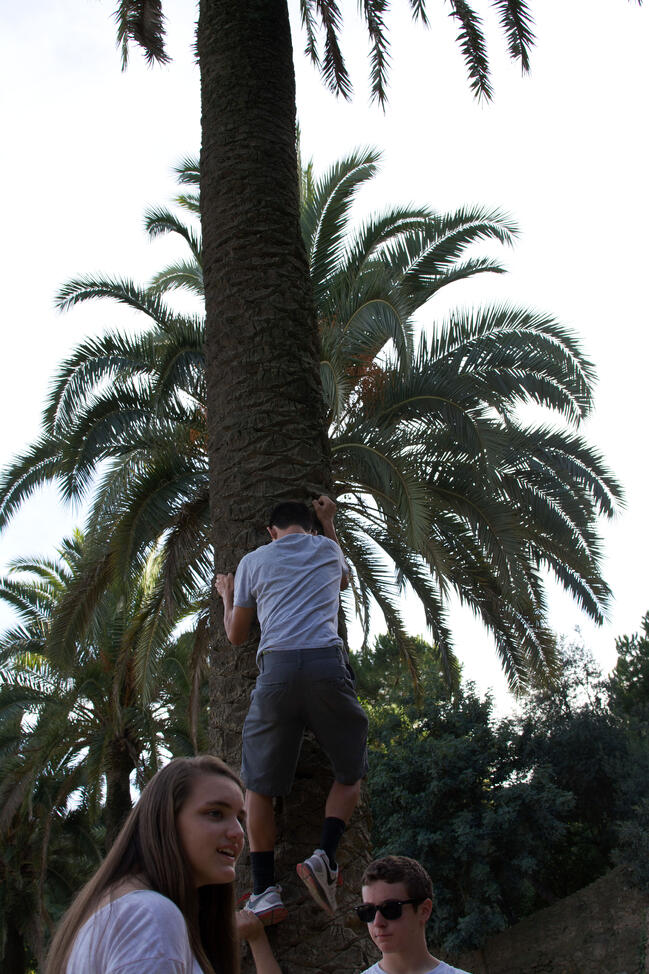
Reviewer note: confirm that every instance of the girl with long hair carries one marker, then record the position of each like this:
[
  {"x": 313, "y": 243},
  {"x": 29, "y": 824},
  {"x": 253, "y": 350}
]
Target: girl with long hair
[{"x": 162, "y": 901}]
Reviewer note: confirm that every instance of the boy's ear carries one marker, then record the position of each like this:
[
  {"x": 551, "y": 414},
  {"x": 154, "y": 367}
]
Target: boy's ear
[
  {"x": 272, "y": 532},
  {"x": 425, "y": 909}
]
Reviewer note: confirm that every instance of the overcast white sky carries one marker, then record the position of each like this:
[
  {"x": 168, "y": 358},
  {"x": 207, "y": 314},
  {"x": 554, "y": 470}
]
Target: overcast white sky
[{"x": 86, "y": 148}]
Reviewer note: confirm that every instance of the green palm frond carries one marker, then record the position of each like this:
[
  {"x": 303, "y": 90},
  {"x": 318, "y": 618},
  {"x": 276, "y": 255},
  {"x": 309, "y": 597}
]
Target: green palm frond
[
  {"x": 110, "y": 358},
  {"x": 330, "y": 61},
  {"x": 516, "y": 22},
  {"x": 188, "y": 171},
  {"x": 324, "y": 220},
  {"x": 141, "y": 21},
  {"x": 118, "y": 289},
  {"x": 160, "y": 220},
  {"x": 183, "y": 275},
  {"x": 472, "y": 43},
  {"x": 373, "y": 11},
  {"x": 376, "y": 235},
  {"x": 19, "y": 481}
]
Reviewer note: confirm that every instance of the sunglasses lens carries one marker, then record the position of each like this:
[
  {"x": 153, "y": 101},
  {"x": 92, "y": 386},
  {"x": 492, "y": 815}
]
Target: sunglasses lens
[
  {"x": 391, "y": 909},
  {"x": 366, "y": 912}
]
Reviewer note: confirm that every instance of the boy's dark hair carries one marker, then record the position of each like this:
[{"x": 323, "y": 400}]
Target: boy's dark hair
[
  {"x": 400, "y": 869},
  {"x": 287, "y": 513}
]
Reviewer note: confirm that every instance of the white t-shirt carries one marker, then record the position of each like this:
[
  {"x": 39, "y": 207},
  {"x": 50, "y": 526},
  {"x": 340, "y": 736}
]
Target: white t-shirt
[
  {"x": 141, "y": 932},
  {"x": 294, "y": 584},
  {"x": 441, "y": 968}
]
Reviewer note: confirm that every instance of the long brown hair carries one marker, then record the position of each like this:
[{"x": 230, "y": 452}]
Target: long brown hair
[{"x": 149, "y": 848}]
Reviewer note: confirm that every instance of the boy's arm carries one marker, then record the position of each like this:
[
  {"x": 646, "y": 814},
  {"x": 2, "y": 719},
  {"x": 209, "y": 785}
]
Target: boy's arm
[
  {"x": 237, "y": 619},
  {"x": 325, "y": 510}
]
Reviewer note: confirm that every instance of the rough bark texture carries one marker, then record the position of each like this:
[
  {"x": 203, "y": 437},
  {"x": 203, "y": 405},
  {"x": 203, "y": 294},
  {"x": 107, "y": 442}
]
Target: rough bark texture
[
  {"x": 118, "y": 788},
  {"x": 14, "y": 959},
  {"x": 266, "y": 436},
  {"x": 266, "y": 433}
]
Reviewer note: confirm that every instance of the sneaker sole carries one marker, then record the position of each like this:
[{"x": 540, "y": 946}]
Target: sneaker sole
[
  {"x": 313, "y": 886},
  {"x": 268, "y": 917}
]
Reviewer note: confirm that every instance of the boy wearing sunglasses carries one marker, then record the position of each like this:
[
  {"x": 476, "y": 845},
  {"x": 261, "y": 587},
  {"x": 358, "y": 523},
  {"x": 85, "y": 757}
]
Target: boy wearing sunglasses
[{"x": 397, "y": 902}]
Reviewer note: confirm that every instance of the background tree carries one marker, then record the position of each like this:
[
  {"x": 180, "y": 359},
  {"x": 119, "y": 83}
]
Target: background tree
[
  {"x": 103, "y": 707},
  {"x": 628, "y": 689},
  {"x": 508, "y": 814},
  {"x": 47, "y": 849},
  {"x": 84, "y": 716},
  {"x": 628, "y": 686}
]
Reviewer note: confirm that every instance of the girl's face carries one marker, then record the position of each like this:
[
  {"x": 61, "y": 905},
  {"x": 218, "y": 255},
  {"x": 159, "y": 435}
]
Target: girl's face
[{"x": 210, "y": 828}]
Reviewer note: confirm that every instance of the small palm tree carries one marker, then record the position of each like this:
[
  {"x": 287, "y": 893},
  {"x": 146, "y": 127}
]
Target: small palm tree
[
  {"x": 48, "y": 847},
  {"x": 102, "y": 704}
]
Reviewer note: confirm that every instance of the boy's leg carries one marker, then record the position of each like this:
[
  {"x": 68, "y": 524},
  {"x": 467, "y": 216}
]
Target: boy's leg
[
  {"x": 266, "y": 900},
  {"x": 340, "y": 724},
  {"x": 319, "y": 872},
  {"x": 260, "y": 822},
  {"x": 261, "y": 838},
  {"x": 341, "y": 802},
  {"x": 272, "y": 733}
]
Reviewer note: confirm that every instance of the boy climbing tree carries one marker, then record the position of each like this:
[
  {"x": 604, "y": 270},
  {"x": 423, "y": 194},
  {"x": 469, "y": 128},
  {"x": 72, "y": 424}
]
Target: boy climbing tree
[{"x": 293, "y": 585}]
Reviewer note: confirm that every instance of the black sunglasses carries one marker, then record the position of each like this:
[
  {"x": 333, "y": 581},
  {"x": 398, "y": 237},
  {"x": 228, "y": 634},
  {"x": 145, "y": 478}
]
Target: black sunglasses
[{"x": 390, "y": 909}]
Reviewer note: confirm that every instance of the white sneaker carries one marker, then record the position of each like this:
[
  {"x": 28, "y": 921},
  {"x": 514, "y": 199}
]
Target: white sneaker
[
  {"x": 268, "y": 905},
  {"x": 320, "y": 879}
]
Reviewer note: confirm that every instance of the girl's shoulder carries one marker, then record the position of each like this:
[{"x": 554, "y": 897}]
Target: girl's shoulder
[
  {"x": 139, "y": 928},
  {"x": 146, "y": 909}
]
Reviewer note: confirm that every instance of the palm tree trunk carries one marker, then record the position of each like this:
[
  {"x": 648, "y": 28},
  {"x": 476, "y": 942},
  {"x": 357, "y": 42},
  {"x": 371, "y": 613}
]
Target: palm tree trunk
[
  {"x": 14, "y": 958},
  {"x": 118, "y": 787},
  {"x": 266, "y": 437},
  {"x": 266, "y": 433}
]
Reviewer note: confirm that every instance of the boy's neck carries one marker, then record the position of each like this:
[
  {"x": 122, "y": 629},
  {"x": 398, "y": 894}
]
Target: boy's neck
[
  {"x": 415, "y": 962},
  {"x": 291, "y": 529}
]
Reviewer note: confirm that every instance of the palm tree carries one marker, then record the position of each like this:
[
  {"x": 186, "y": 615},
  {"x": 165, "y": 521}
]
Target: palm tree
[
  {"x": 263, "y": 392},
  {"x": 266, "y": 433},
  {"x": 265, "y": 420},
  {"x": 433, "y": 468},
  {"x": 48, "y": 847},
  {"x": 81, "y": 713},
  {"x": 102, "y": 702}
]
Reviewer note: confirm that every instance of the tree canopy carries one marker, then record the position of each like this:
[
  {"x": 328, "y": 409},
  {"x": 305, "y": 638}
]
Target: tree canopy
[
  {"x": 508, "y": 814},
  {"x": 434, "y": 471}
]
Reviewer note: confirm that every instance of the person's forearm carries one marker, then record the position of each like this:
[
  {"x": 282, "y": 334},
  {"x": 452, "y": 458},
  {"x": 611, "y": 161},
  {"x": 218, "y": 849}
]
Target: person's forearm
[
  {"x": 228, "y": 609},
  {"x": 262, "y": 955},
  {"x": 329, "y": 530}
]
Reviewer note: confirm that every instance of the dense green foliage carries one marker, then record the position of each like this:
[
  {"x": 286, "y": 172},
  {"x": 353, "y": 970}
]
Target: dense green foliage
[
  {"x": 81, "y": 721},
  {"x": 508, "y": 815}
]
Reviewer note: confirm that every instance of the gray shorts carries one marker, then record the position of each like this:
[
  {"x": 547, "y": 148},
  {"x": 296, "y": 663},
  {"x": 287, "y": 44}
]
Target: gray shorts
[{"x": 296, "y": 689}]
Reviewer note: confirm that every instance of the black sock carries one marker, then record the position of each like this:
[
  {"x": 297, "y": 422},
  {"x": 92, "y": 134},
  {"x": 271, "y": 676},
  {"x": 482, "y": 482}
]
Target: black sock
[
  {"x": 263, "y": 870},
  {"x": 332, "y": 833}
]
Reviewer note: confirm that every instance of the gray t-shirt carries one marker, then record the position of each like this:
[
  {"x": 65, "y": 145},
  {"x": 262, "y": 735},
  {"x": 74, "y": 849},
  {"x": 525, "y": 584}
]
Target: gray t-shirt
[
  {"x": 141, "y": 932},
  {"x": 441, "y": 968},
  {"x": 294, "y": 583}
]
